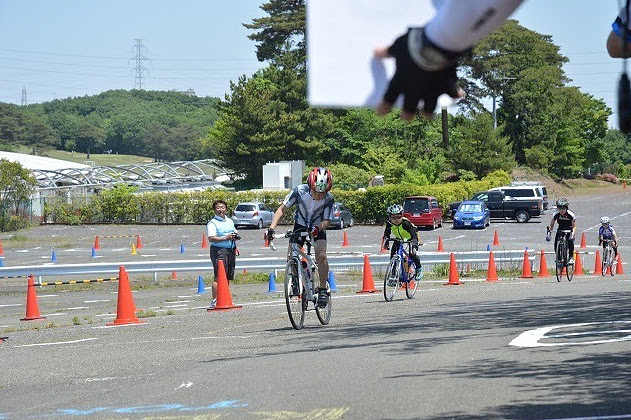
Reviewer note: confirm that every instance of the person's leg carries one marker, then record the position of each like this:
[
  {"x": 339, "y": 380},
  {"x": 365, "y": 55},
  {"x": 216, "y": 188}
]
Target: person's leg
[
  {"x": 570, "y": 246},
  {"x": 231, "y": 261},
  {"x": 213, "y": 258},
  {"x": 323, "y": 262}
]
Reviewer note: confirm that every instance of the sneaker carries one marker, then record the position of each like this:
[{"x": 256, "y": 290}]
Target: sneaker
[
  {"x": 571, "y": 261},
  {"x": 323, "y": 298},
  {"x": 419, "y": 273},
  {"x": 213, "y": 303}
]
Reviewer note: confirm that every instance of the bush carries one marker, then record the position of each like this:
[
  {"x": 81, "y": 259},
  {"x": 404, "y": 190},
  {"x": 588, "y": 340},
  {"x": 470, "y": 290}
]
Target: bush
[{"x": 608, "y": 177}]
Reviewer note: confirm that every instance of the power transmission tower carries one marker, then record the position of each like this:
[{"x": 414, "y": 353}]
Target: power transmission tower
[
  {"x": 140, "y": 70},
  {"x": 24, "y": 101}
]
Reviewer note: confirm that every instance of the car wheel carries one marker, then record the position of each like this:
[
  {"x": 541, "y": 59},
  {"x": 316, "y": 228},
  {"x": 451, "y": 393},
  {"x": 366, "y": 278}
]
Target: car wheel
[
  {"x": 522, "y": 216},
  {"x": 341, "y": 223},
  {"x": 440, "y": 222},
  {"x": 260, "y": 224},
  {"x": 351, "y": 223}
]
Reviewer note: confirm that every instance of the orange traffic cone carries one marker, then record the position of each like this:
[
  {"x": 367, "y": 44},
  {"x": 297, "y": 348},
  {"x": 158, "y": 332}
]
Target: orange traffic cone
[
  {"x": 97, "y": 244},
  {"x": 583, "y": 243},
  {"x": 453, "y": 271},
  {"x": 526, "y": 272},
  {"x": 174, "y": 276},
  {"x": 578, "y": 265},
  {"x": 224, "y": 298},
  {"x": 619, "y": 269},
  {"x": 491, "y": 272},
  {"x": 598, "y": 265},
  {"x": 1, "y": 250},
  {"x": 32, "y": 310},
  {"x": 382, "y": 249},
  {"x": 368, "y": 283},
  {"x": 204, "y": 241},
  {"x": 496, "y": 238},
  {"x": 345, "y": 239},
  {"x": 125, "y": 309},
  {"x": 543, "y": 266},
  {"x": 138, "y": 242},
  {"x": 440, "y": 244}
]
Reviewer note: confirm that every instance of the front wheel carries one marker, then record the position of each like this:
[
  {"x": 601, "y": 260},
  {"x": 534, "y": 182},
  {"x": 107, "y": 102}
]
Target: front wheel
[
  {"x": 412, "y": 285},
  {"x": 293, "y": 295},
  {"x": 569, "y": 272},
  {"x": 391, "y": 279},
  {"x": 324, "y": 314},
  {"x": 260, "y": 224},
  {"x": 559, "y": 263}
]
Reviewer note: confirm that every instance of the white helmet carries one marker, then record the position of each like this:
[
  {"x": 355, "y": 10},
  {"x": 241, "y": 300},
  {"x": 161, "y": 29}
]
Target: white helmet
[{"x": 604, "y": 220}]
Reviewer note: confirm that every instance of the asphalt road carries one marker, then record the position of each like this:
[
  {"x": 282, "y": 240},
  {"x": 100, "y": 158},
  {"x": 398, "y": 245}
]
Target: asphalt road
[{"x": 517, "y": 348}]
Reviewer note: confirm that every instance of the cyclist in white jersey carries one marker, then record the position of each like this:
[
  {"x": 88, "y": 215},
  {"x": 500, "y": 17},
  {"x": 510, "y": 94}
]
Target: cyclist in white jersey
[{"x": 314, "y": 208}]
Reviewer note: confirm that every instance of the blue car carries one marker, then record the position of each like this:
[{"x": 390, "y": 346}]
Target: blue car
[{"x": 472, "y": 214}]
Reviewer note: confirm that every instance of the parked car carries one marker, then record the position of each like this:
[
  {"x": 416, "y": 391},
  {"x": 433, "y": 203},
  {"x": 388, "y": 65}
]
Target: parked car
[
  {"x": 472, "y": 214},
  {"x": 526, "y": 192},
  {"x": 504, "y": 207},
  {"x": 342, "y": 216},
  {"x": 542, "y": 189},
  {"x": 423, "y": 211},
  {"x": 257, "y": 215}
]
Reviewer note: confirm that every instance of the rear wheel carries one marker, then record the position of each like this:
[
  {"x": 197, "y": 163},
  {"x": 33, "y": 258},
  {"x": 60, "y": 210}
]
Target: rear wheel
[
  {"x": 293, "y": 295},
  {"x": 412, "y": 285},
  {"x": 324, "y": 314},
  {"x": 569, "y": 271},
  {"x": 260, "y": 224},
  {"x": 612, "y": 263},
  {"x": 341, "y": 223},
  {"x": 391, "y": 279},
  {"x": 522, "y": 216}
]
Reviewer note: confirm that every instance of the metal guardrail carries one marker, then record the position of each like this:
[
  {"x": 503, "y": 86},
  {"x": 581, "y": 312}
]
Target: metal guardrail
[{"x": 346, "y": 260}]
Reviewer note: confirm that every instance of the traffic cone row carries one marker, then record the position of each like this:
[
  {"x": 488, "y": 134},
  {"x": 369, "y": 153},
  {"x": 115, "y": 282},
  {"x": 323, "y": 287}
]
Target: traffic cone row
[
  {"x": 491, "y": 272},
  {"x": 583, "y": 241},
  {"x": 496, "y": 238},
  {"x": 97, "y": 243},
  {"x": 526, "y": 269},
  {"x": 598, "y": 264},
  {"x": 138, "y": 242},
  {"x": 578, "y": 265},
  {"x": 440, "y": 244},
  {"x": 543, "y": 266},
  {"x": 619, "y": 269}
]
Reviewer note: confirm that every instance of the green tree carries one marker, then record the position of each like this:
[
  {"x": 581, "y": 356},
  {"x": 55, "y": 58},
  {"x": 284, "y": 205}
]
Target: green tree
[
  {"x": 281, "y": 33},
  {"x": 89, "y": 137},
  {"x": 17, "y": 185},
  {"x": 481, "y": 149}
]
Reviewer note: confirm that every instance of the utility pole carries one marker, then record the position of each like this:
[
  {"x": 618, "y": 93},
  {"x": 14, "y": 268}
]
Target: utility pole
[
  {"x": 139, "y": 58},
  {"x": 24, "y": 101},
  {"x": 445, "y": 127}
]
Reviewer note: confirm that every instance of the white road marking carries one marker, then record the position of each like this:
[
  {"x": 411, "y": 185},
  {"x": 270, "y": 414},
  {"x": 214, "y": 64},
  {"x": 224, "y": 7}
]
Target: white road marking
[
  {"x": 55, "y": 314},
  {"x": 10, "y": 304},
  {"x": 58, "y": 342},
  {"x": 46, "y": 296},
  {"x": 148, "y": 255},
  {"x": 185, "y": 385},
  {"x": 97, "y": 300},
  {"x": 531, "y": 338},
  {"x": 78, "y": 307}
]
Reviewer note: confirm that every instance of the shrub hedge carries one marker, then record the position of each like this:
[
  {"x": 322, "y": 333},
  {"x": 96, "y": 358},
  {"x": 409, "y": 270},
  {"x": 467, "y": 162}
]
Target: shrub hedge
[{"x": 122, "y": 205}]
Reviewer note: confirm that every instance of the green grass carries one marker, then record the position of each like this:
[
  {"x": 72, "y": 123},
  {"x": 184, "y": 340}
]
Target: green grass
[{"x": 98, "y": 159}]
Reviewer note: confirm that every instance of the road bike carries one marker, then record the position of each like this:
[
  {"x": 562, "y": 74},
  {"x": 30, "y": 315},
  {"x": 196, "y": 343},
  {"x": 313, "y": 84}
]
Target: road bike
[
  {"x": 398, "y": 272},
  {"x": 609, "y": 262},
  {"x": 302, "y": 281},
  {"x": 563, "y": 257}
]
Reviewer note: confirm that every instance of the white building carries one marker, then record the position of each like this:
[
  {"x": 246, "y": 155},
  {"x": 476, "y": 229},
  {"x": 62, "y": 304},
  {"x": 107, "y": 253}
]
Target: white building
[{"x": 283, "y": 175}]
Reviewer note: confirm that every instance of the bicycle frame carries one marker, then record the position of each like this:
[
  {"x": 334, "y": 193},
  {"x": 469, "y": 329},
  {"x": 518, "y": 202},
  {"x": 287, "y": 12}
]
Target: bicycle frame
[
  {"x": 562, "y": 249},
  {"x": 608, "y": 258},
  {"x": 294, "y": 252},
  {"x": 397, "y": 274},
  {"x": 404, "y": 276}
]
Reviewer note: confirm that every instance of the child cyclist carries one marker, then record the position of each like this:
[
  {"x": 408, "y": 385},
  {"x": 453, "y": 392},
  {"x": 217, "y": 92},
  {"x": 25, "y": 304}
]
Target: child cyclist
[
  {"x": 402, "y": 229},
  {"x": 607, "y": 232}
]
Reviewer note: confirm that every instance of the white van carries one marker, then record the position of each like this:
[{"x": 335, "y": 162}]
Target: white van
[
  {"x": 542, "y": 189},
  {"x": 525, "y": 193}
]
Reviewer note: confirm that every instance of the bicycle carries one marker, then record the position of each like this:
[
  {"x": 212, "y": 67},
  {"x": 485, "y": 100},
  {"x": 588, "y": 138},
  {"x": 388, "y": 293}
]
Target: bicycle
[
  {"x": 397, "y": 274},
  {"x": 563, "y": 256},
  {"x": 609, "y": 262},
  {"x": 301, "y": 281}
]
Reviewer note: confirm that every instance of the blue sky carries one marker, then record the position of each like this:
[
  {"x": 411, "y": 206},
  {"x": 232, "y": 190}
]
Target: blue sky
[{"x": 62, "y": 48}]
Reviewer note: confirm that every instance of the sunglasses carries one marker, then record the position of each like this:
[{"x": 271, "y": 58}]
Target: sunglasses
[{"x": 396, "y": 216}]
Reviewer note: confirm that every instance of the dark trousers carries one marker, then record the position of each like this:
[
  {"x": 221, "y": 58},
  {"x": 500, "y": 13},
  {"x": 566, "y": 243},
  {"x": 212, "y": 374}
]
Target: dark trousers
[
  {"x": 570, "y": 244},
  {"x": 227, "y": 255}
]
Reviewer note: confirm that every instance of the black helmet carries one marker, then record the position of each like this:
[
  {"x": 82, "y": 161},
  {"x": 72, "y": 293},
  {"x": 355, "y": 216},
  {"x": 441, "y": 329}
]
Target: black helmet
[{"x": 563, "y": 203}]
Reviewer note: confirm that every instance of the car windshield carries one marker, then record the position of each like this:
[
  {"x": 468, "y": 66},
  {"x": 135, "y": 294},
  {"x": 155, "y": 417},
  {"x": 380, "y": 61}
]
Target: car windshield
[
  {"x": 245, "y": 207},
  {"x": 470, "y": 207},
  {"x": 415, "y": 206}
]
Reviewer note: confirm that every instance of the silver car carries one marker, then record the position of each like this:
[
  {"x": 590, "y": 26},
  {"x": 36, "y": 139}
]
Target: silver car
[{"x": 257, "y": 215}]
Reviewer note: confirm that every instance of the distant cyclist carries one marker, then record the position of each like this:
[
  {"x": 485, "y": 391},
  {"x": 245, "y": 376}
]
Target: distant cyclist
[
  {"x": 607, "y": 232},
  {"x": 314, "y": 208},
  {"x": 402, "y": 230},
  {"x": 567, "y": 222}
]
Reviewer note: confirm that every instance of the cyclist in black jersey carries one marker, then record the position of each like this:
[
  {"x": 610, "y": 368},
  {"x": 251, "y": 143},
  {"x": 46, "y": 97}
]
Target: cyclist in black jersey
[{"x": 567, "y": 222}]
